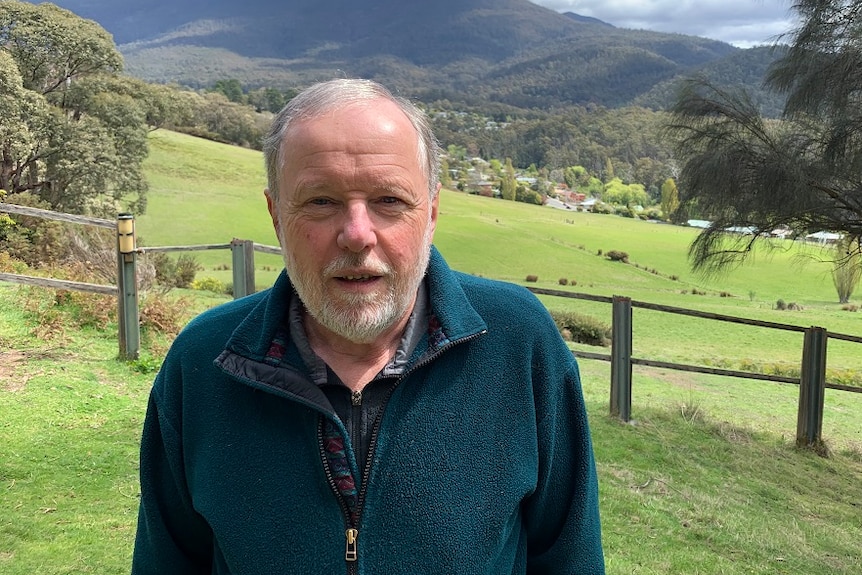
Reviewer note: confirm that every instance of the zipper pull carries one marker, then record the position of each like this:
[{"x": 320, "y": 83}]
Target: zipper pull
[
  {"x": 350, "y": 554},
  {"x": 356, "y": 398}
]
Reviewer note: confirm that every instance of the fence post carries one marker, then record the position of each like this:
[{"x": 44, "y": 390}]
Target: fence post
[
  {"x": 242, "y": 254},
  {"x": 812, "y": 387},
  {"x": 128, "y": 315},
  {"x": 621, "y": 358}
]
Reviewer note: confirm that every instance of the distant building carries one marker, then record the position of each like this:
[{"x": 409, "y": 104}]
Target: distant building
[
  {"x": 823, "y": 237},
  {"x": 698, "y": 223}
]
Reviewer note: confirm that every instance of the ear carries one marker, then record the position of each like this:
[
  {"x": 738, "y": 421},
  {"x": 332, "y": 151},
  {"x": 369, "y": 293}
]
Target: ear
[
  {"x": 272, "y": 206},
  {"x": 435, "y": 205}
]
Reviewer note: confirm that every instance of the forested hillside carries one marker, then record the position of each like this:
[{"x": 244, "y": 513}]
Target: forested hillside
[{"x": 510, "y": 52}]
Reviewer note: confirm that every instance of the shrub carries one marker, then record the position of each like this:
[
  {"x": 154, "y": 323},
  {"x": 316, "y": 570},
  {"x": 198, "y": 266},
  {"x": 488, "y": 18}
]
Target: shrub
[
  {"x": 33, "y": 240},
  {"x": 179, "y": 273},
  {"x": 209, "y": 284},
  {"x": 187, "y": 267},
  {"x": 563, "y": 281},
  {"x": 53, "y": 310},
  {"x": 582, "y": 328},
  {"x": 618, "y": 256},
  {"x": 653, "y": 214},
  {"x": 10, "y": 265},
  {"x": 846, "y": 307},
  {"x": 780, "y": 305},
  {"x": 532, "y": 278},
  {"x": 163, "y": 314}
]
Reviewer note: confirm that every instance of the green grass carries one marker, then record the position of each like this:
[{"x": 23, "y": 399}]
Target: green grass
[{"x": 704, "y": 481}]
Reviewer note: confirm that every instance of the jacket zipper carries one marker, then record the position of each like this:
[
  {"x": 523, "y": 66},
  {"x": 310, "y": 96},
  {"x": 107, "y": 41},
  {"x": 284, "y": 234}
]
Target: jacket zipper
[{"x": 352, "y": 532}]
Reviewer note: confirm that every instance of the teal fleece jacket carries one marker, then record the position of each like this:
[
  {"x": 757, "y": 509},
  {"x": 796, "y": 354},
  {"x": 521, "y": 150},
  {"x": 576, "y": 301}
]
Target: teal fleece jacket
[{"x": 480, "y": 463}]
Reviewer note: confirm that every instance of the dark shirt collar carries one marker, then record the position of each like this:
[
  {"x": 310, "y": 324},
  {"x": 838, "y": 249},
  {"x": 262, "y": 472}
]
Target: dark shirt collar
[{"x": 416, "y": 326}]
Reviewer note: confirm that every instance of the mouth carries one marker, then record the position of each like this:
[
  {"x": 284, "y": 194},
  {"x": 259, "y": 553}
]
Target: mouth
[{"x": 362, "y": 278}]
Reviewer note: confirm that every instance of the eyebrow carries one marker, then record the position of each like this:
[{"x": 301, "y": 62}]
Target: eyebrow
[{"x": 386, "y": 187}]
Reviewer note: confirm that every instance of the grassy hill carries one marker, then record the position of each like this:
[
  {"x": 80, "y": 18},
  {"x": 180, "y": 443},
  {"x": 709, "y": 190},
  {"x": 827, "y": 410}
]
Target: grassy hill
[
  {"x": 705, "y": 481},
  {"x": 208, "y": 193}
]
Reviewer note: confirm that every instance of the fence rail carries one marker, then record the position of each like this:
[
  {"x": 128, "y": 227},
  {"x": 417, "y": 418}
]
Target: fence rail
[
  {"x": 58, "y": 284},
  {"x": 710, "y": 316},
  {"x": 57, "y": 216}
]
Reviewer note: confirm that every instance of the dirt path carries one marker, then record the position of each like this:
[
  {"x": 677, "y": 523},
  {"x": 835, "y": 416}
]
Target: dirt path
[{"x": 9, "y": 378}]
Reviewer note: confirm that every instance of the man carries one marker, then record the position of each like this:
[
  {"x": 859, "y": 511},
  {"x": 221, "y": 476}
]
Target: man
[{"x": 374, "y": 411}]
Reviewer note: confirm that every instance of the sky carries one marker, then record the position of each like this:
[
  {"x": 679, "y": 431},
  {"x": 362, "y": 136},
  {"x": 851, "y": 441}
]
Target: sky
[{"x": 743, "y": 23}]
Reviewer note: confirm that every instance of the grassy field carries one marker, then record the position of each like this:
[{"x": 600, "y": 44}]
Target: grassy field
[
  {"x": 208, "y": 193},
  {"x": 705, "y": 480}
]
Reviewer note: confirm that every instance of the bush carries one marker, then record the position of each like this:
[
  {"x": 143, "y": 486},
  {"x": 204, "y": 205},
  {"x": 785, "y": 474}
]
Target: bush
[
  {"x": 53, "y": 310},
  {"x": 532, "y": 278},
  {"x": 780, "y": 305},
  {"x": 618, "y": 256},
  {"x": 179, "y": 273},
  {"x": 582, "y": 328},
  {"x": 209, "y": 284},
  {"x": 187, "y": 267},
  {"x": 163, "y": 314},
  {"x": 10, "y": 265},
  {"x": 563, "y": 281},
  {"x": 33, "y": 240}
]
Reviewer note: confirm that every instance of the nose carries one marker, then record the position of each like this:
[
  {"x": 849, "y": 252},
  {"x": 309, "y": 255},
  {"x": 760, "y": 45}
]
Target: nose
[{"x": 357, "y": 230}]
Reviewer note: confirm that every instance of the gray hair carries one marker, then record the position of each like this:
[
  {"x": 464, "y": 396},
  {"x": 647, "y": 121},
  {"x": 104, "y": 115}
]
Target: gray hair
[{"x": 327, "y": 96}]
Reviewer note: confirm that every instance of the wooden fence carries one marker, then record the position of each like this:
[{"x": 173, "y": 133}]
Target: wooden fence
[
  {"x": 812, "y": 380},
  {"x": 126, "y": 290}
]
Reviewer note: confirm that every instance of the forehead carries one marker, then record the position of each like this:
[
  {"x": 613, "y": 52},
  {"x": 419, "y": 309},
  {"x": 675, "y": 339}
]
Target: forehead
[
  {"x": 354, "y": 125},
  {"x": 364, "y": 134}
]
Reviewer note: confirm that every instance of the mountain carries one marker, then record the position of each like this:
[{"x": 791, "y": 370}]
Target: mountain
[{"x": 510, "y": 52}]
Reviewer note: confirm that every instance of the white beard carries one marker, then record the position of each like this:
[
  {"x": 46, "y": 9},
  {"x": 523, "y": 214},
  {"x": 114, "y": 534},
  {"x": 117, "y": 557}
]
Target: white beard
[{"x": 360, "y": 318}]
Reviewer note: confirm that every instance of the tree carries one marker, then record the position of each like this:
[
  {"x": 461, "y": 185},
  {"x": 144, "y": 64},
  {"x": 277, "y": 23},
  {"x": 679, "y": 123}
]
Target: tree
[
  {"x": 847, "y": 268},
  {"x": 616, "y": 192},
  {"x": 24, "y": 127},
  {"x": 609, "y": 170},
  {"x": 72, "y": 132},
  {"x": 508, "y": 185},
  {"x": 669, "y": 198},
  {"x": 231, "y": 89},
  {"x": 801, "y": 172},
  {"x": 53, "y": 46}
]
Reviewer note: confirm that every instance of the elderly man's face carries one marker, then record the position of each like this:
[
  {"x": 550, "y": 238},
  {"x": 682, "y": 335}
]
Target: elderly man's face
[{"x": 354, "y": 218}]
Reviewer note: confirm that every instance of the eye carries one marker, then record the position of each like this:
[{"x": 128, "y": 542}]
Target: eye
[
  {"x": 390, "y": 200},
  {"x": 320, "y": 202}
]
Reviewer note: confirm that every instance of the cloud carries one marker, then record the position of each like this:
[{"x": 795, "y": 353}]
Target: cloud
[{"x": 743, "y": 23}]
